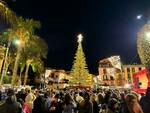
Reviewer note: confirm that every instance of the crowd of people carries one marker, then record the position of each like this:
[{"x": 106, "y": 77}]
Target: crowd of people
[{"x": 73, "y": 101}]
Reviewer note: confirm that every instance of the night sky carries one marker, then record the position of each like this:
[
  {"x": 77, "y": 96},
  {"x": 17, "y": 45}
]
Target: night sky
[{"x": 109, "y": 28}]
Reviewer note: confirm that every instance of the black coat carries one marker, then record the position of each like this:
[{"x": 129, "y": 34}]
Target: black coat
[
  {"x": 11, "y": 107},
  {"x": 145, "y": 102},
  {"x": 39, "y": 105},
  {"x": 95, "y": 107},
  {"x": 57, "y": 106}
]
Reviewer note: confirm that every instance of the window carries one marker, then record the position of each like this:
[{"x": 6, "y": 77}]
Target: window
[
  {"x": 129, "y": 76},
  {"x": 128, "y": 69},
  {"x": 140, "y": 68},
  {"x": 105, "y": 77},
  {"x": 133, "y": 70}
]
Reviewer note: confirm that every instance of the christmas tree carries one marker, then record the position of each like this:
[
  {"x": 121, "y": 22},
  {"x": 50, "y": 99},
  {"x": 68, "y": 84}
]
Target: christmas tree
[
  {"x": 143, "y": 45},
  {"x": 79, "y": 73}
]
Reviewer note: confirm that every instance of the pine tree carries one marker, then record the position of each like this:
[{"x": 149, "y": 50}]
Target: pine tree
[{"x": 79, "y": 73}]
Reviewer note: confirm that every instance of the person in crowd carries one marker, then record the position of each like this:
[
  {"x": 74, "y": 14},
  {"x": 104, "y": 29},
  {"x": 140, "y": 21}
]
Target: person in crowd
[
  {"x": 85, "y": 106},
  {"x": 39, "y": 105},
  {"x": 145, "y": 101},
  {"x": 68, "y": 104},
  {"x": 47, "y": 101},
  {"x": 78, "y": 98},
  {"x": 42, "y": 82},
  {"x": 94, "y": 102},
  {"x": 56, "y": 105},
  {"x": 25, "y": 107},
  {"x": 112, "y": 106},
  {"x": 21, "y": 94},
  {"x": 107, "y": 97},
  {"x": 101, "y": 104},
  {"x": 29, "y": 100},
  {"x": 123, "y": 105},
  {"x": 100, "y": 99},
  {"x": 11, "y": 105},
  {"x": 114, "y": 95},
  {"x": 133, "y": 104}
]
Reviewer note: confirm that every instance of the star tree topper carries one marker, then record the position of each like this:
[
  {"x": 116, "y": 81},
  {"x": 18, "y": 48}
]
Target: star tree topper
[{"x": 80, "y": 37}]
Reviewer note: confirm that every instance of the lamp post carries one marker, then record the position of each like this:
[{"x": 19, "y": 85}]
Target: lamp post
[{"x": 5, "y": 60}]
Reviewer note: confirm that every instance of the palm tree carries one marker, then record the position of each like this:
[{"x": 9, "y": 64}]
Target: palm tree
[
  {"x": 6, "y": 38},
  {"x": 24, "y": 32},
  {"x": 22, "y": 67},
  {"x": 7, "y": 14},
  {"x": 36, "y": 50},
  {"x": 37, "y": 65},
  {"x": 22, "y": 29}
]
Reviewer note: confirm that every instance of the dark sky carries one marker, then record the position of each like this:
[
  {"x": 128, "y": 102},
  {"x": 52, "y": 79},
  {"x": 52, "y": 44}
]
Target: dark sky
[{"x": 109, "y": 28}]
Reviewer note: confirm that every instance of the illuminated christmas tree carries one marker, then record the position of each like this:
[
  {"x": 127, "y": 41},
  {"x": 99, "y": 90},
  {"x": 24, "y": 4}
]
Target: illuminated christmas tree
[
  {"x": 79, "y": 73},
  {"x": 143, "y": 45}
]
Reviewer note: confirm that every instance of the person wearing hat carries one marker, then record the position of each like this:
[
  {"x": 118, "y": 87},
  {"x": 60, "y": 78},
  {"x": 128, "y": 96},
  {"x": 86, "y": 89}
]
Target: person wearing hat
[{"x": 11, "y": 105}]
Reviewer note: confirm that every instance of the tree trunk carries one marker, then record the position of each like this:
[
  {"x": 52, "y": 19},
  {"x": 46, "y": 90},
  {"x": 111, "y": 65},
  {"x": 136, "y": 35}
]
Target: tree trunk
[
  {"x": 14, "y": 76},
  {"x": 26, "y": 74},
  {"x": 20, "y": 81},
  {"x": 5, "y": 61}
]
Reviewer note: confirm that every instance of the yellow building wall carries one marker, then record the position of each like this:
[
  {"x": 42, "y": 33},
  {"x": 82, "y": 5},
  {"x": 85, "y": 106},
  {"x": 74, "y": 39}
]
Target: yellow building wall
[{"x": 131, "y": 67}]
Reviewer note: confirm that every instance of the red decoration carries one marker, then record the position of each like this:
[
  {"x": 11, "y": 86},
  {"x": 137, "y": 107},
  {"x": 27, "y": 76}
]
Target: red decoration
[{"x": 137, "y": 81}]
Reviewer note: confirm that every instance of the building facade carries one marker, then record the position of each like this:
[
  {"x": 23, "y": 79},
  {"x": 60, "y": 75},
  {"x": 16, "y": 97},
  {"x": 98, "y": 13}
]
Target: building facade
[
  {"x": 56, "y": 78},
  {"x": 109, "y": 75},
  {"x": 112, "y": 75}
]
